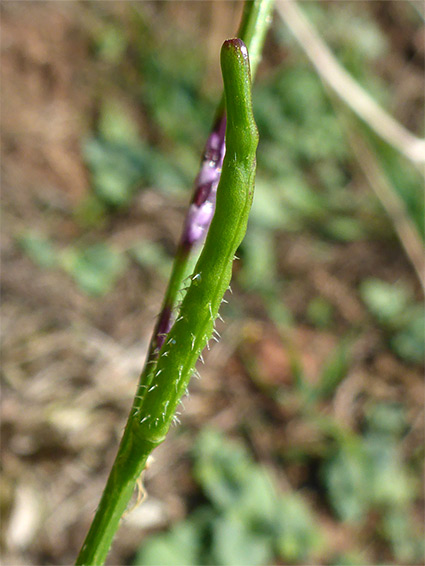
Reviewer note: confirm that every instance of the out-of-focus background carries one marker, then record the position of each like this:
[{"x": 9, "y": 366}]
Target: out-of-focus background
[{"x": 303, "y": 441}]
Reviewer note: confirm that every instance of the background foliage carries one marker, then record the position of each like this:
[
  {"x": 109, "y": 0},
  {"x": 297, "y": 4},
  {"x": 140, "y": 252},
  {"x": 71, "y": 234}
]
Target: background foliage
[{"x": 303, "y": 441}]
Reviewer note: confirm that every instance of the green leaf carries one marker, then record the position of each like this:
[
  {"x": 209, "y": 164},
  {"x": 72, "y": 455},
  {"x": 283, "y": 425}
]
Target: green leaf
[
  {"x": 368, "y": 473},
  {"x": 407, "y": 181},
  {"x": 349, "y": 558},
  {"x": 298, "y": 535},
  {"x": 393, "y": 306},
  {"x": 220, "y": 467},
  {"x": 234, "y": 544},
  {"x": 267, "y": 210},
  {"x": 259, "y": 260},
  {"x": 172, "y": 95},
  {"x": 116, "y": 168},
  {"x": 387, "y": 301},
  {"x": 165, "y": 174},
  {"x": 319, "y": 312},
  {"x": 408, "y": 545},
  {"x": 386, "y": 419},
  {"x": 409, "y": 343},
  {"x": 95, "y": 269},
  {"x": 179, "y": 547},
  {"x": 346, "y": 476},
  {"x": 390, "y": 485},
  {"x": 233, "y": 482},
  {"x": 111, "y": 44},
  {"x": 257, "y": 505},
  {"x": 116, "y": 125},
  {"x": 38, "y": 248},
  {"x": 345, "y": 229},
  {"x": 334, "y": 370},
  {"x": 91, "y": 211},
  {"x": 152, "y": 254}
]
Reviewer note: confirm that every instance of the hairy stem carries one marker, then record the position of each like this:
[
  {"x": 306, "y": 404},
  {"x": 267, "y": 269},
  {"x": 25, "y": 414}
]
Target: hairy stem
[
  {"x": 256, "y": 18},
  {"x": 171, "y": 361}
]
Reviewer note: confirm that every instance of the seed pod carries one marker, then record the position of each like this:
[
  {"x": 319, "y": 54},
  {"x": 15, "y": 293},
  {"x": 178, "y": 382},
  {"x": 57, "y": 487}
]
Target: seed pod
[{"x": 157, "y": 403}]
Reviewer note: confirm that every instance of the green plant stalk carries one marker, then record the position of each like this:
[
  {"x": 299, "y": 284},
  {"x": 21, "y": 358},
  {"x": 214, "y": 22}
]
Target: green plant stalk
[
  {"x": 256, "y": 19},
  {"x": 128, "y": 465},
  {"x": 167, "y": 379}
]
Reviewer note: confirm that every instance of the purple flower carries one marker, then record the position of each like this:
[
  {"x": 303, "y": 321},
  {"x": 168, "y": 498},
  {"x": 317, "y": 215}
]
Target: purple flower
[{"x": 202, "y": 207}]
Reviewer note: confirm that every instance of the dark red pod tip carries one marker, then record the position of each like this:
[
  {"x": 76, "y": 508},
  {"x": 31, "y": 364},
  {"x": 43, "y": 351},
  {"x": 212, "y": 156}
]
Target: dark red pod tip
[{"x": 237, "y": 44}]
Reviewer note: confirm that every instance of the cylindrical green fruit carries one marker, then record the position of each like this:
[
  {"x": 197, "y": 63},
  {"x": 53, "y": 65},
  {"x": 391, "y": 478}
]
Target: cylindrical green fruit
[{"x": 157, "y": 400}]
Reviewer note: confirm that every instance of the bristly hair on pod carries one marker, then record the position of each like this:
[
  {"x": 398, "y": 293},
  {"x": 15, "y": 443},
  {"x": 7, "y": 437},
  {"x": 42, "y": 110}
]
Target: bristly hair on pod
[{"x": 211, "y": 276}]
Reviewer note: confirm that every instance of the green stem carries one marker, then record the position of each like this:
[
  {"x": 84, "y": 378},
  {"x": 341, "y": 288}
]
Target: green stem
[
  {"x": 256, "y": 19},
  {"x": 136, "y": 445},
  {"x": 129, "y": 463}
]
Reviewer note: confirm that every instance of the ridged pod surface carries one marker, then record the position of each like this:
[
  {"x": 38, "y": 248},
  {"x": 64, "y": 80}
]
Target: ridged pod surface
[
  {"x": 168, "y": 374},
  {"x": 157, "y": 399}
]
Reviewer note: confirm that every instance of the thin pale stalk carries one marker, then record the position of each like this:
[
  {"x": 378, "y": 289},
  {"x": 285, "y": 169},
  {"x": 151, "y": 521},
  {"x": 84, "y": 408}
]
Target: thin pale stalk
[{"x": 347, "y": 88}]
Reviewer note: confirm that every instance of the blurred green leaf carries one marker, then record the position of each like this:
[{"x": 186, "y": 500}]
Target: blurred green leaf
[
  {"x": 256, "y": 519},
  {"x": 298, "y": 534},
  {"x": 390, "y": 485},
  {"x": 345, "y": 229},
  {"x": 234, "y": 544},
  {"x": 39, "y": 248},
  {"x": 172, "y": 91},
  {"x": 387, "y": 301},
  {"x": 350, "y": 558},
  {"x": 91, "y": 211},
  {"x": 116, "y": 168},
  {"x": 164, "y": 174},
  {"x": 95, "y": 269},
  {"x": 110, "y": 43},
  {"x": 387, "y": 419},
  {"x": 346, "y": 477},
  {"x": 220, "y": 468},
  {"x": 334, "y": 371},
  {"x": 406, "y": 181},
  {"x": 119, "y": 161},
  {"x": 178, "y": 547},
  {"x": 409, "y": 343},
  {"x": 394, "y": 307},
  {"x": 268, "y": 211},
  {"x": 116, "y": 125},
  {"x": 319, "y": 312},
  {"x": 259, "y": 260},
  {"x": 257, "y": 504},
  {"x": 408, "y": 544},
  {"x": 368, "y": 472},
  {"x": 302, "y": 198},
  {"x": 152, "y": 254}
]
